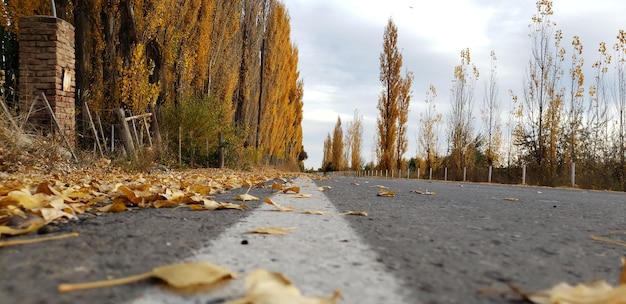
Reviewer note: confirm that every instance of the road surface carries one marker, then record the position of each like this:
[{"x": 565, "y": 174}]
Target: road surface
[{"x": 411, "y": 248}]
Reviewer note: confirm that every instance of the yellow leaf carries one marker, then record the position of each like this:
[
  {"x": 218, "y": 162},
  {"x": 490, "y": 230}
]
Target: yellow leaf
[
  {"x": 273, "y": 230},
  {"x": 596, "y": 292},
  {"x": 279, "y": 207},
  {"x": 17, "y": 231},
  {"x": 241, "y": 207},
  {"x": 266, "y": 287},
  {"x": 25, "y": 199},
  {"x": 386, "y": 193},
  {"x": 277, "y": 186},
  {"x": 51, "y": 214},
  {"x": 294, "y": 189},
  {"x": 114, "y": 208},
  {"x": 213, "y": 205},
  {"x": 511, "y": 199},
  {"x": 181, "y": 276},
  {"x": 202, "y": 189},
  {"x": 37, "y": 240},
  {"x": 246, "y": 197},
  {"x": 324, "y": 188},
  {"x": 300, "y": 195}
]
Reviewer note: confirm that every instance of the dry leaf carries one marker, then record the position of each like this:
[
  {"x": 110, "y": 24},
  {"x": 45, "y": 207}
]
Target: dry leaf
[
  {"x": 17, "y": 231},
  {"x": 181, "y": 276},
  {"x": 210, "y": 205},
  {"x": 279, "y": 207},
  {"x": 423, "y": 192},
  {"x": 300, "y": 195},
  {"x": 313, "y": 212},
  {"x": 597, "y": 292},
  {"x": 294, "y": 189},
  {"x": 277, "y": 186},
  {"x": 361, "y": 213},
  {"x": 246, "y": 197},
  {"x": 386, "y": 193},
  {"x": 266, "y": 287},
  {"x": 273, "y": 230},
  {"x": 324, "y": 188},
  {"x": 511, "y": 199},
  {"x": 38, "y": 240},
  {"x": 51, "y": 214}
]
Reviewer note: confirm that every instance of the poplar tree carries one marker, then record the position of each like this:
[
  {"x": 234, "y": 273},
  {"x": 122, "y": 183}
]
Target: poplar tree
[
  {"x": 393, "y": 100},
  {"x": 337, "y": 147}
]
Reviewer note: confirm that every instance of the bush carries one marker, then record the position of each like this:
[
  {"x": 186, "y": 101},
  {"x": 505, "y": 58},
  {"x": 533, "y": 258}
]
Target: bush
[{"x": 199, "y": 121}]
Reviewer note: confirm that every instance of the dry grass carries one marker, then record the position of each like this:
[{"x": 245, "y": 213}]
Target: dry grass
[{"x": 20, "y": 151}]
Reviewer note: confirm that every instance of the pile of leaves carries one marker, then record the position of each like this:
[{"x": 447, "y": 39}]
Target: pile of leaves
[{"x": 31, "y": 200}]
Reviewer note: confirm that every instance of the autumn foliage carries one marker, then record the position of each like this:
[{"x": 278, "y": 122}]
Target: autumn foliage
[{"x": 236, "y": 53}]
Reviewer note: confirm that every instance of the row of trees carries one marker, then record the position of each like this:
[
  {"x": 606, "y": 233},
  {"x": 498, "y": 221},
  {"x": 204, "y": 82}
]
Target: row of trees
[
  {"x": 229, "y": 65},
  {"x": 557, "y": 120}
]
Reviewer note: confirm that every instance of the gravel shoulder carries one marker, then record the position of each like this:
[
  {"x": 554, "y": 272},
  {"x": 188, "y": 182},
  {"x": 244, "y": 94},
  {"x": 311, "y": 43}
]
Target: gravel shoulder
[{"x": 447, "y": 246}]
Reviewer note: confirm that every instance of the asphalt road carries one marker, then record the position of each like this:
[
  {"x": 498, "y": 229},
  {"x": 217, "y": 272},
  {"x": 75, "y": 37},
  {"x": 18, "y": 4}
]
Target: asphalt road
[
  {"x": 436, "y": 248},
  {"x": 445, "y": 247}
]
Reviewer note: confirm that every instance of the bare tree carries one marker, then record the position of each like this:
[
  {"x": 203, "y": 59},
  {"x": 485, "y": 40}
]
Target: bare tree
[
  {"x": 543, "y": 95},
  {"x": 461, "y": 119},
  {"x": 354, "y": 144},
  {"x": 429, "y": 122},
  {"x": 491, "y": 115}
]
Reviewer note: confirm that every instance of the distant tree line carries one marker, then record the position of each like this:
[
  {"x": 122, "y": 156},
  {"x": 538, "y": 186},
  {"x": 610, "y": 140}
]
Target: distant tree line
[{"x": 560, "y": 118}]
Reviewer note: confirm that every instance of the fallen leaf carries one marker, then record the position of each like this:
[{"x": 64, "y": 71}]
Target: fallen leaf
[
  {"x": 300, "y": 195},
  {"x": 386, "y": 193},
  {"x": 279, "y": 207},
  {"x": 37, "y": 240},
  {"x": 354, "y": 183},
  {"x": 17, "y": 231},
  {"x": 324, "y": 188},
  {"x": 361, "y": 213},
  {"x": 596, "y": 292},
  {"x": 246, "y": 197},
  {"x": 213, "y": 205},
  {"x": 607, "y": 240},
  {"x": 267, "y": 287},
  {"x": 51, "y": 214},
  {"x": 181, "y": 276},
  {"x": 277, "y": 186},
  {"x": 511, "y": 199},
  {"x": 273, "y": 230},
  {"x": 423, "y": 192},
  {"x": 313, "y": 212},
  {"x": 294, "y": 189}
]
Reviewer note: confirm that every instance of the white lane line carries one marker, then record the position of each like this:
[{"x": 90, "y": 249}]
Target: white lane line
[{"x": 322, "y": 255}]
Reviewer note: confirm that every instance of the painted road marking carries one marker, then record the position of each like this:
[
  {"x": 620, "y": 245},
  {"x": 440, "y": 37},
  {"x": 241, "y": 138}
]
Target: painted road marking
[{"x": 322, "y": 255}]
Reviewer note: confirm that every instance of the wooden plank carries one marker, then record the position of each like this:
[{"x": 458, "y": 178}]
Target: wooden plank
[
  {"x": 127, "y": 138},
  {"x": 138, "y": 116},
  {"x": 56, "y": 123},
  {"x": 93, "y": 129}
]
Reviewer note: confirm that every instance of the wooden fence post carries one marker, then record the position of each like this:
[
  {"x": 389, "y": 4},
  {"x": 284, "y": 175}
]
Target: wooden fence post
[
  {"x": 127, "y": 138},
  {"x": 220, "y": 139}
]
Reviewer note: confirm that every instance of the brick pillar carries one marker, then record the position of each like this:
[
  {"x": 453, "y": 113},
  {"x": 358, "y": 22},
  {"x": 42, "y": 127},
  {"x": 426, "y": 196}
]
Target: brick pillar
[{"x": 47, "y": 64}]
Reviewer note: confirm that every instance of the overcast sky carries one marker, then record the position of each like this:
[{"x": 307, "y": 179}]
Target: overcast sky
[{"x": 340, "y": 42}]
